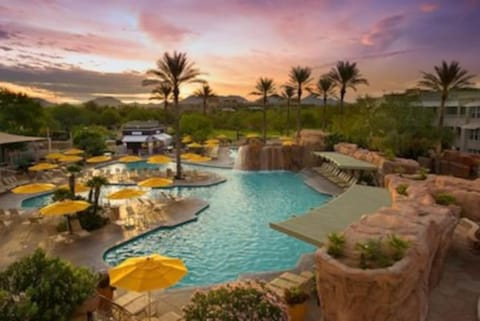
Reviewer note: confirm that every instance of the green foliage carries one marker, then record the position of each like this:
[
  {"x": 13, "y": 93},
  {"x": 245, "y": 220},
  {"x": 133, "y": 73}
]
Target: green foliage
[
  {"x": 90, "y": 140},
  {"x": 333, "y": 139},
  {"x": 402, "y": 189},
  {"x": 62, "y": 194},
  {"x": 389, "y": 154},
  {"x": 336, "y": 244},
  {"x": 422, "y": 174},
  {"x": 91, "y": 220},
  {"x": 40, "y": 288},
  {"x": 377, "y": 254},
  {"x": 198, "y": 126},
  {"x": 445, "y": 199},
  {"x": 240, "y": 301},
  {"x": 295, "y": 295}
]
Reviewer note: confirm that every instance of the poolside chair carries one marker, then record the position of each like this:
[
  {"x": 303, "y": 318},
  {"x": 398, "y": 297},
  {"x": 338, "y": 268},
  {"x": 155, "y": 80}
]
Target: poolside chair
[{"x": 304, "y": 280}]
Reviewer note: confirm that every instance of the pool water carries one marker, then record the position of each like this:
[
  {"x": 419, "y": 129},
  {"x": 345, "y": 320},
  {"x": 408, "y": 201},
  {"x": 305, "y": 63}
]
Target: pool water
[{"x": 232, "y": 236}]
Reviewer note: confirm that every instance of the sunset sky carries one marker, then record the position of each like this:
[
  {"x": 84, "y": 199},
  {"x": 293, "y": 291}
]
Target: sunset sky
[{"x": 66, "y": 50}]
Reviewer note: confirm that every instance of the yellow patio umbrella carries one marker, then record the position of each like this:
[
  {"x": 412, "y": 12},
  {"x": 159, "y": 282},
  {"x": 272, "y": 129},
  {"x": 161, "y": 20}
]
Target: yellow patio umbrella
[
  {"x": 125, "y": 193},
  {"x": 159, "y": 159},
  {"x": 98, "y": 159},
  {"x": 221, "y": 136},
  {"x": 73, "y": 151},
  {"x": 130, "y": 159},
  {"x": 42, "y": 167},
  {"x": 194, "y": 145},
  {"x": 79, "y": 187},
  {"x": 288, "y": 143},
  {"x": 252, "y": 135},
  {"x": 155, "y": 182},
  {"x": 188, "y": 155},
  {"x": 187, "y": 139},
  {"x": 54, "y": 156},
  {"x": 64, "y": 208},
  {"x": 70, "y": 159},
  {"x": 147, "y": 273},
  {"x": 200, "y": 159},
  {"x": 33, "y": 188},
  {"x": 283, "y": 138},
  {"x": 212, "y": 142}
]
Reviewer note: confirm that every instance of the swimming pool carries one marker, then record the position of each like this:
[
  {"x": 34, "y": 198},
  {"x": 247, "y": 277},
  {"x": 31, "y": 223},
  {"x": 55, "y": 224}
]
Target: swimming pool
[{"x": 232, "y": 236}]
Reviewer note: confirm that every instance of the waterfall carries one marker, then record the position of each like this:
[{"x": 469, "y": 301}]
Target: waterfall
[
  {"x": 241, "y": 157},
  {"x": 265, "y": 158}
]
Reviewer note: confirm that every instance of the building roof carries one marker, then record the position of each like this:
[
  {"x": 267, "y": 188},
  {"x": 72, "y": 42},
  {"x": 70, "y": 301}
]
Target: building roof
[
  {"x": 137, "y": 124},
  {"x": 336, "y": 215},
  {"x": 343, "y": 161},
  {"x": 10, "y": 138}
]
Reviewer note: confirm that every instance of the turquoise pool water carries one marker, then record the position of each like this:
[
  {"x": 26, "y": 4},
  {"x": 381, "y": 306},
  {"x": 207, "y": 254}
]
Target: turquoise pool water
[{"x": 232, "y": 236}]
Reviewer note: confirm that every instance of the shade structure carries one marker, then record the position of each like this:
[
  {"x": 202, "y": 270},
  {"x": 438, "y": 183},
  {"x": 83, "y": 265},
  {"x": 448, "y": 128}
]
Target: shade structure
[
  {"x": 159, "y": 159},
  {"x": 212, "y": 142},
  {"x": 125, "y": 193},
  {"x": 33, "y": 188},
  {"x": 288, "y": 143},
  {"x": 42, "y": 167},
  {"x": 188, "y": 155},
  {"x": 155, "y": 182},
  {"x": 98, "y": 159},
  {"x": 54, "y": 156},
  {"x": 285, "y": 138},
  {"x": 252, "y": 135},
  {"x": 221, "y": 136},
  {"x": 79, "y": 188},
  {"x": 199, "y": 159},
  {"x": 147, "y": 273},
  {"x": 130, "y": 159},
  {"x": 70, "y": 159},
  {"x": 194, "y": 145},
  {"x": 187, "y": 139},
  {"x": 64, "y": 208},
  {"x": 73, "y": 151}
]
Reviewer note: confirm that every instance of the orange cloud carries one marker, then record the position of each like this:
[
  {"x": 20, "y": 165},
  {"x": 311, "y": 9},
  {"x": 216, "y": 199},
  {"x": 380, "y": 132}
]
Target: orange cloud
[
  {"x": 38, "y": 93},
  {"x": 428, "y": 7}
]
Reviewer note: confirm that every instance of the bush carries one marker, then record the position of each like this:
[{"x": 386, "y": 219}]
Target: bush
[
  {"x": 398, "y": 247},
  {"x": 445, "y": 199},
  {"x": 43, "y": 289},
  {"x": 91, "y": 221},
  {"x": 336, "y": 244},
  {"x": 198, "y": 126},
  {"x": 376, "y": 254},
  {"x": 295, "y": 295},
  {"x": 238, "y": 301},
  {"x": 90, "y": 140},
  {"x": 402, "y": 189}
]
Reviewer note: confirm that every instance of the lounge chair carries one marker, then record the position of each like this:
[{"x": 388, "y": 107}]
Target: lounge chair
[{"x": 288, "y": 280}]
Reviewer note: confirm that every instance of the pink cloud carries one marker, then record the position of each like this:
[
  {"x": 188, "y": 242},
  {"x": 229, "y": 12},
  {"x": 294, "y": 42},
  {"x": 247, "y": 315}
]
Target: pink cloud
[
  {"x": 383, "y": 33},
  {"x": 428, "y": 7},
  {"x": 160, "y": 29}
]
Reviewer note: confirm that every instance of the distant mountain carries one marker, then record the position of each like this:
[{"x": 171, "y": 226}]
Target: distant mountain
[
  {"x": 44, "y": 102},
  {"x": 272, "y": 100},
  {"x": 106, "y": 102},
  {"x": 221, "y": 100},
  {"x": 317, "y": 101}
]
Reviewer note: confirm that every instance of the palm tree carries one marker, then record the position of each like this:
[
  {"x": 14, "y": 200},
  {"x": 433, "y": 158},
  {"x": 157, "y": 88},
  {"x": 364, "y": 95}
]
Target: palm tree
[
  {"x": 96, "y": 183},
  {"x": 205, "y": 93},
  {"x": 301, "y": 77},
  {"x": 162, "y": 92},
  {"x": 346, "y": 75},
  {"x": 446, "y": 78},
  {"x": 177, "y": 70},
  {"x": 72, "y": 169},
  {"x": 287, "y": 93},
  {"x": 264, "y": 87},
  {"x": 325, "y": 89}
]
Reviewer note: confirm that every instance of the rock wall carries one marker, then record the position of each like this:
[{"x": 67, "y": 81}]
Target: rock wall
[
  {"x": 311, "y": 140},
  {"x": 401, "y": 291}
]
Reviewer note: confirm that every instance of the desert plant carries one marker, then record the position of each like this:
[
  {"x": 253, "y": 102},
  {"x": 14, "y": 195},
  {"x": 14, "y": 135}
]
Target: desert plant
[
  {"x": 389, "y": 155},
  {"x": 445, "y": 199},
  {"x": 402, "y": 189},
  {"x": 336, "y": 244},
  {"x": 372, "y": 255},
  {"x": 422, "y": 174},
  {"x": 398, "y": 246},
  {"x": 237, "y": 301},
  {"x": 295, "y": 295}
]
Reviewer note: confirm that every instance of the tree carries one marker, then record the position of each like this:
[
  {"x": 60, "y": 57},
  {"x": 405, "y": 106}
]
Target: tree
[
  {"x": 72, "y": 169},
  {"x": 346, "y": 75},
  {"x": 96, "y": 183},
  {"x": 301, "y": 77},
  {"x": 177, "y": 70},
  {"x": 287, "y": 93},
  {"x": 325, "y": 89},
  {"x": 92, "y": 140},
  {"x": 205, "y": 93},
  {"x": 197, "y": 126},
  {"x": 264, "y": 88},
  {"x": 162, "y": 92}
]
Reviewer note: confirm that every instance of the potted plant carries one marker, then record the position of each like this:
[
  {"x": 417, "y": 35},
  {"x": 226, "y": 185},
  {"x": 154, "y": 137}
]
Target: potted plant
[{"x": 296, "y": 300}]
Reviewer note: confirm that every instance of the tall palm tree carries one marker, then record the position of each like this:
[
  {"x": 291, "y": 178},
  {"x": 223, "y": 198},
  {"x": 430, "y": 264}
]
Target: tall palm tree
[
  {"x": 72, "y": 170},
  {"x": 205, "y": 93},
  {"x": 446, "y": 78},
  {"x": 96, "y": 183},
  {"x": 177, "y": 70},
  {"x": 346, "y": 75},
  {"x": 301, "y": 77},
  {"x": 287, "y": 93},
  {"x": 162, "y": 92},
  {"x": 325, "y": 88},
  {"x": 264, "y": 87}
]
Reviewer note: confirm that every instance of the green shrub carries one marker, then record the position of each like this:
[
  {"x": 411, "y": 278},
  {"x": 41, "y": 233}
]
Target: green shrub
[
  {"x": 402, "y": 189},
  {"x": 445, "y": 199},
  {"x": 376, "y": 254},
  {"x": 295, "y": 295},
  {"x": 398, "y": 246},
  {"x": 40, "y": 288},
  {"x": 336, "y": 244},
  {"x": 237, "y": 301},
  {"x": 91, "y": 221},
  {"x": 422, "y": 174},
  {"x": 389, "y": 154}
]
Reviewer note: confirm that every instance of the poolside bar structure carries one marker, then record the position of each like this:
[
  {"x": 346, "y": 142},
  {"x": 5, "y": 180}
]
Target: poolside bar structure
[{"x": 336, "y": 215}]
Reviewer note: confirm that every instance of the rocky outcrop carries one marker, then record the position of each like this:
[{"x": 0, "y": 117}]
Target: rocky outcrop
[
  {"x": 399, "y": 292},
  {"x": 255, "y": 156},
  {"x": 311, "y": 140}
]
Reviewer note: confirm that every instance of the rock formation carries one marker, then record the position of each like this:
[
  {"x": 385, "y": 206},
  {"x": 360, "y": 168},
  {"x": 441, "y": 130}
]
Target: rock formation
[{"x": 399, "y": 292}]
